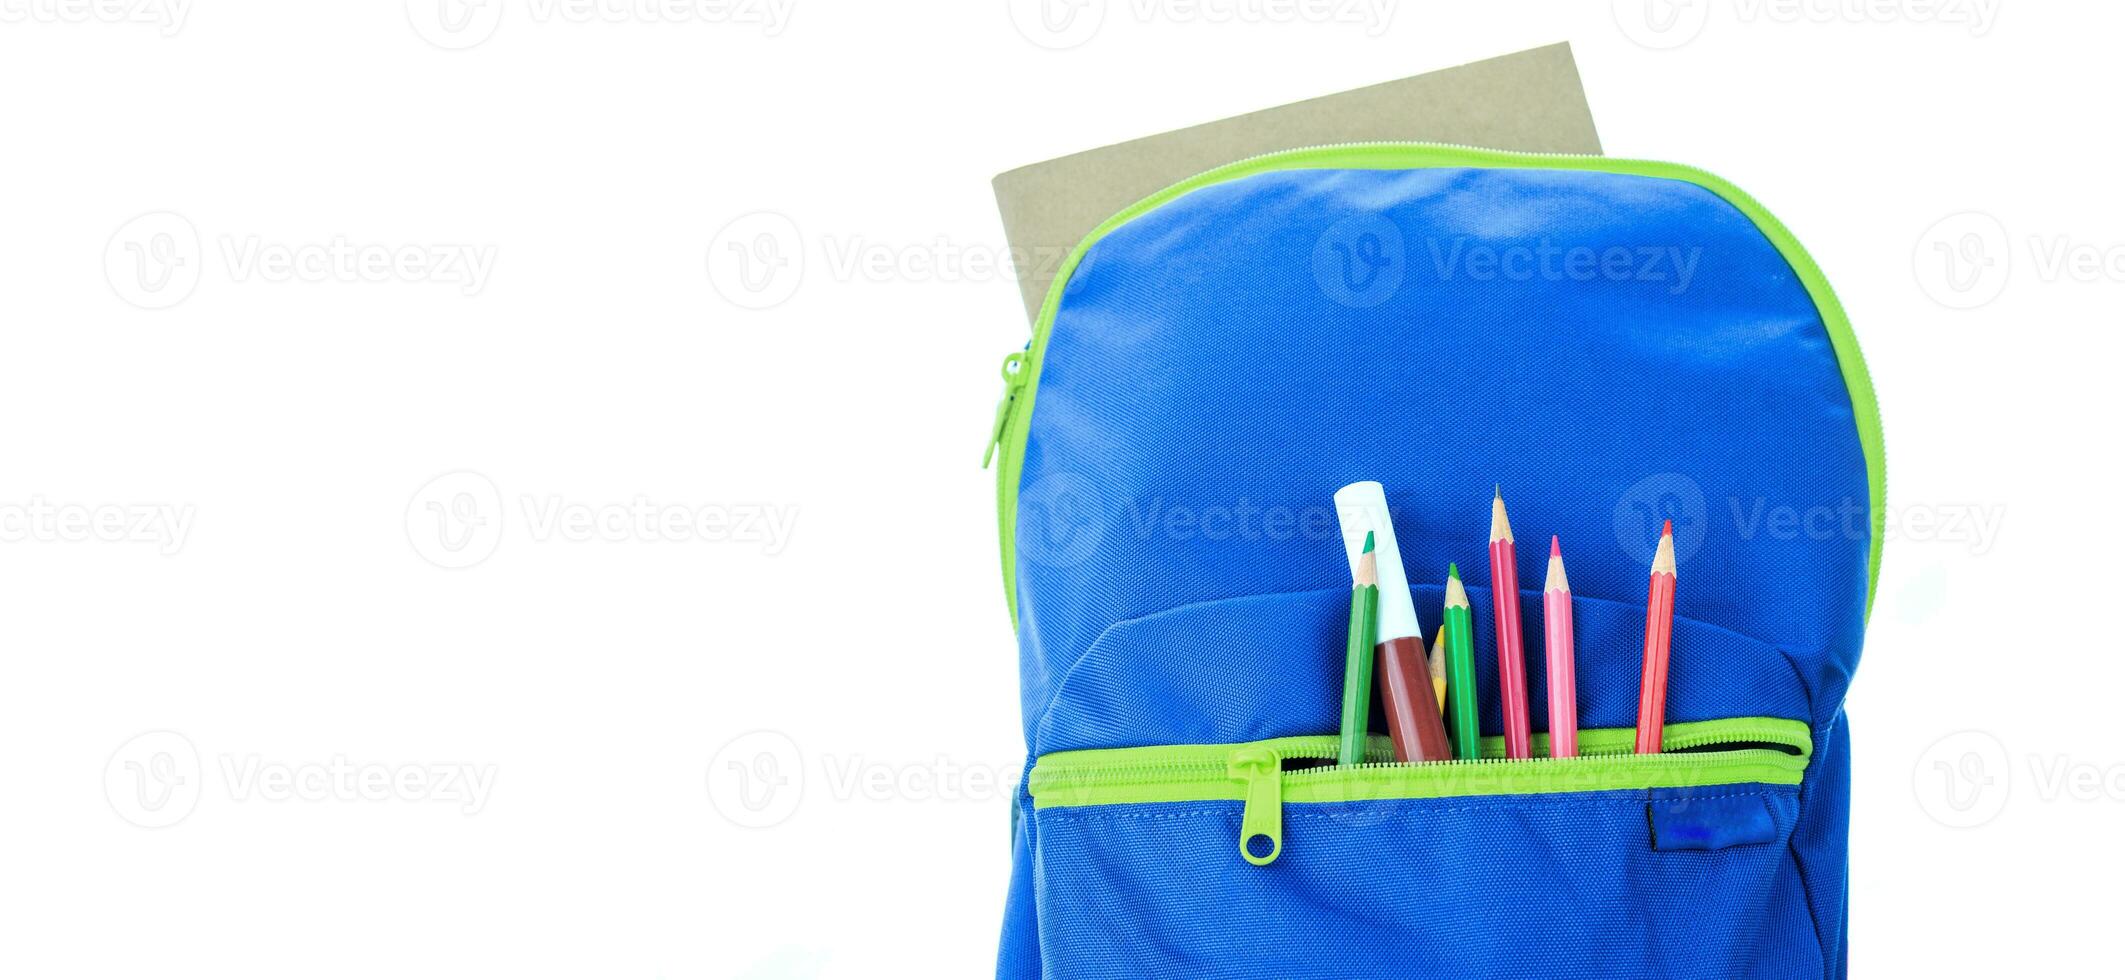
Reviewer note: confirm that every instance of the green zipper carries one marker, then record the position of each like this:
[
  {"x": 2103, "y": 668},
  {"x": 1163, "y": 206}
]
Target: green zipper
[
  {"x": 1704, "y": 753},
  {"x": 1022, "y": 368}
]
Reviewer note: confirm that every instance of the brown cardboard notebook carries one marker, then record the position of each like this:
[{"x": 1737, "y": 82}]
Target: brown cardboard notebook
[{"x": 1525, "y": 101}]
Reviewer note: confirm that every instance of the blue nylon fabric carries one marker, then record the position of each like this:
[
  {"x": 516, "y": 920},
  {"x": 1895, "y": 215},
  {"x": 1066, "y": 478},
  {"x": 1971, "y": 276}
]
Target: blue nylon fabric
[
  {"x": 1220, "y": 365},
  {"x": 1552, "y": 885}
]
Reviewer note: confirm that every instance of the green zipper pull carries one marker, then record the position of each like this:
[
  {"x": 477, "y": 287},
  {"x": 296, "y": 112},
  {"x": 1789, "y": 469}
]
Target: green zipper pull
[
  {"x": 1262, "y": 823},
  {"x": 1014, "y": 378}
]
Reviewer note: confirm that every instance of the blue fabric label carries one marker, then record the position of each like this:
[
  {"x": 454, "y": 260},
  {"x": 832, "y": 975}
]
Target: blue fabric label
[{"x": 1708, "y": 823}]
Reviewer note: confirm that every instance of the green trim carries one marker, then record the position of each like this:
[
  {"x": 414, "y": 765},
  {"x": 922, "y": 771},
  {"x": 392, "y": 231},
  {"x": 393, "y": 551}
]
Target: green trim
[
  {"x": 1189, "y": 773},
  {"x": 1016, "y": 413}
]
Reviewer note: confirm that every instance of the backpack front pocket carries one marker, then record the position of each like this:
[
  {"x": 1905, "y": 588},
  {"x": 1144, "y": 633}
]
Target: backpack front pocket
[{"x": 1262, "y": 859}]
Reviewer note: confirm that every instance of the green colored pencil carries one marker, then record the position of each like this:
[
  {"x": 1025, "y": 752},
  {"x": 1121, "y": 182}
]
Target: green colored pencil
[
  {"x": 1357, "y": 658},
  {"x": 1462, "y": 721}
]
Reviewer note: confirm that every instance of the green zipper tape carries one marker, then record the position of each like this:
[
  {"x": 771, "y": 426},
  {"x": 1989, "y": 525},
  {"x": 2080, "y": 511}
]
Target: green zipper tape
[
  {"x": 1777, "y": 751},
  {"x": 1705, "y": 753},
  {"x": 1022, "y": 370}
]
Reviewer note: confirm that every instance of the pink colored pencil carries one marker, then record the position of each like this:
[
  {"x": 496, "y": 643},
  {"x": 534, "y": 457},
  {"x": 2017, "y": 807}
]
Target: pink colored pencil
[
  {"x": 1512, "y": 653},
  {"x": 1659, "y": 630},
  {"x": 1557, "y": 646}
]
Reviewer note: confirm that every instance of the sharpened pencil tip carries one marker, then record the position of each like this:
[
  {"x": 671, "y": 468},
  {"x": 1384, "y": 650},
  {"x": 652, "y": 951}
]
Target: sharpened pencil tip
[
  {"x": 1368, "y": 541},
  {"x": 1667, "y": 528},
  {"x": 1554, "y": 549},
  {"x": 1453, "y": 570}
]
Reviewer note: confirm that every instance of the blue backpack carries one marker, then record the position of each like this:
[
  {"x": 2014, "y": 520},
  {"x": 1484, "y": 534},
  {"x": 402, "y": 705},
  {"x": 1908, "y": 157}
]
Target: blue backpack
[{"x": 1619, "y": 344}]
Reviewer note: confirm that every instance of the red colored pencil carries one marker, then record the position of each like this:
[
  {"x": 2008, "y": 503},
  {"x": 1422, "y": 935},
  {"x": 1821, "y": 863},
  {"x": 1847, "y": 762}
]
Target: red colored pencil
[
  {"x": 1659, "y": 627},
  {"x": 1512, "y": 653},
  {"x": 1557, "y": 646}
]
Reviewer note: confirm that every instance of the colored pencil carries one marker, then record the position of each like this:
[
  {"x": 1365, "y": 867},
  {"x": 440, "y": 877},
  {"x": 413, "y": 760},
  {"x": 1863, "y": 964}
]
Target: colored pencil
[
  {"x": 1467, "y": 730},
  {"x": 1357, "y": 656},
  {"x": 1413, "y": 723},
  {"x": 1659, "y": 629},
  {"x": 1512, "y": 653},
  {"x": 1438, "y": 668},
  {"x": 1557, "y": 647}
]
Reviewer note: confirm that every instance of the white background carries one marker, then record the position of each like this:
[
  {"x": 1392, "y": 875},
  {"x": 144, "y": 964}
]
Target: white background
[{"x": 603, "y": 689}]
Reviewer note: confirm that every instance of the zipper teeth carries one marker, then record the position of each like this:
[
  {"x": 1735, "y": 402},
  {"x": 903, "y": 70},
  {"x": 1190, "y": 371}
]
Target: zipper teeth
[
  {"x": 1321, "y": 747},
  {"x": 1153, "y": 771},
  {"x": 1578, "y": 761}
]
